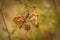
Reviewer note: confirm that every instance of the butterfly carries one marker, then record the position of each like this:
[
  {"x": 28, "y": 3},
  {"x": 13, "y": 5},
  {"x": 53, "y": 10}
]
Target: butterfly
[{"x": 33, "y": 17}]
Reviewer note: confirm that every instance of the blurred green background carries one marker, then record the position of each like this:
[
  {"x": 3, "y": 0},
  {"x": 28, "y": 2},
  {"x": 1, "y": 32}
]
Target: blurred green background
[{"x": 49, "y": 21}]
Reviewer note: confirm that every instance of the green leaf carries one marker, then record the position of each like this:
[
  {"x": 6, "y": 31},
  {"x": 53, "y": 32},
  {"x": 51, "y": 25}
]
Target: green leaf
[{"x": 13, "y": 31}]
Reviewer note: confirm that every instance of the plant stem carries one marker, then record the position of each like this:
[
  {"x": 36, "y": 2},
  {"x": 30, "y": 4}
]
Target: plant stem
[
  {"x": 55, "y": 9},
  {"x": 1, "y": 10},
  {"x": 27, "y": 35}
]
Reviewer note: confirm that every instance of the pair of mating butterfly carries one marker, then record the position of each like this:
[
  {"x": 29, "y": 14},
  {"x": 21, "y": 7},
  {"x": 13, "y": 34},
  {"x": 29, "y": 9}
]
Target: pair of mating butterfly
[{"x": 20, "y": 20}]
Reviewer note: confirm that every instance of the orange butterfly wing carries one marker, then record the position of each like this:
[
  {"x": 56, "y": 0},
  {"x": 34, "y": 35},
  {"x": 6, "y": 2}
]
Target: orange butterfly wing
[{"x": 20, "y": 20}]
